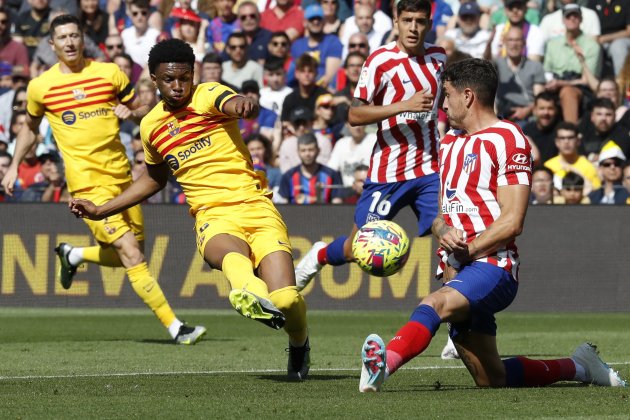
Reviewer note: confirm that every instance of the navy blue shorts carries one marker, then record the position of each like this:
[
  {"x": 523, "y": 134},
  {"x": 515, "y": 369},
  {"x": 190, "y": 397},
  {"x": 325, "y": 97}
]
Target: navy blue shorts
[
  {"x": 489, "y": 289},
  {"x": 384, "y": 201}
]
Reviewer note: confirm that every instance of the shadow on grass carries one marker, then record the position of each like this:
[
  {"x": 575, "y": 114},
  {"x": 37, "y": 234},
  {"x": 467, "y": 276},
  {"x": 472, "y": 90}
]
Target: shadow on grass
[
  {"x": 170, "y": 341},
  {"x": 311, "y": 378}
]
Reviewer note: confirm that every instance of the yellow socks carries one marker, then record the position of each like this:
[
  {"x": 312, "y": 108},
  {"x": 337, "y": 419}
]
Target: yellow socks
[
  {"x": 291, "y": 303},
  {"x": 101, "y": 256},
  {"x": 240, "y": 273},
  {"x": 151, "y": 293}
]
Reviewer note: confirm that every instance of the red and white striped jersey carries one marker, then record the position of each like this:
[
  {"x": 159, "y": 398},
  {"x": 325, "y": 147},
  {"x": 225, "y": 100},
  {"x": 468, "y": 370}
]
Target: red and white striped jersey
[
  {"x": 471, "y": 170},
  {"x": 407, "y": 144}
]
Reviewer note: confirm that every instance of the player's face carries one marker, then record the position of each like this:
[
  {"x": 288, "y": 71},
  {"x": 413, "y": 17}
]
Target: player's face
[
  {"x": 412, "y": 28},
  {"x": 454, "y": 105},
  {"x": 175, "y": 83},
  {"x": 308, "y": 153},
  {"x": 67, "y": 43}
]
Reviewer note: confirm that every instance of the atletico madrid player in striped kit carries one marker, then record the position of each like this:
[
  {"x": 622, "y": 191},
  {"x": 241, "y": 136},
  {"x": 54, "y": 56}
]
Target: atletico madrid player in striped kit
[
  {"x": 399, "y": 89},
  {"x": 485, "y": 182}
]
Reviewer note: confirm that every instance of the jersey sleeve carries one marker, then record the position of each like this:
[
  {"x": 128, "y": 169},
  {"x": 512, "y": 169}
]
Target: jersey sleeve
[
  {"x": 35, "y": 99},
  {"x": 369, "y": 82},
  {"x": 515, "y": 162},
  {"x": 214, "y": 97},
  {"x": 124, "y": 90},
  {"x": 151, "y": 155}
]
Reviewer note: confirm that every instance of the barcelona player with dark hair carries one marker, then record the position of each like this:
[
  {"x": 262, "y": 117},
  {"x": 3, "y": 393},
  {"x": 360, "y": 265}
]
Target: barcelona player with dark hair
[{"x": 194, "y": 133}]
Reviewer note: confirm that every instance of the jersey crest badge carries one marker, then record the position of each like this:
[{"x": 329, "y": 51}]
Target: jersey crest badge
[
  {"x": 173, "y": 128},
  {"x": 79, "y": 94},
  {"x": 470, "y": 163}
]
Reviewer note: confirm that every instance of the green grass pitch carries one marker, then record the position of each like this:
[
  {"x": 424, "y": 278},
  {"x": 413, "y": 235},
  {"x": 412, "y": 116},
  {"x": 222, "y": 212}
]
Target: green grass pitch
[{"x": 67, "y": 364}]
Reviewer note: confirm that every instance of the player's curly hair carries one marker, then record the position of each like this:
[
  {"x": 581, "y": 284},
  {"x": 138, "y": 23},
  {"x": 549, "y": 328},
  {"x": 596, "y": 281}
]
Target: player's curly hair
[{"x": 171, "y": 51}]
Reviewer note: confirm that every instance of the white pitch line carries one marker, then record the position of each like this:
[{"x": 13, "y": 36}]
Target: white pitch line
[{"x": 220, "y": 372}]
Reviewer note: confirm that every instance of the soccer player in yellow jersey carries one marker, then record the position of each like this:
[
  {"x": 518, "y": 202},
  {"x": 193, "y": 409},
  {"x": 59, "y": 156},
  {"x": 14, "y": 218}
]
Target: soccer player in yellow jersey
[
  {"x": 83, "y": 101},
  {"x": 194, "y": 133}
]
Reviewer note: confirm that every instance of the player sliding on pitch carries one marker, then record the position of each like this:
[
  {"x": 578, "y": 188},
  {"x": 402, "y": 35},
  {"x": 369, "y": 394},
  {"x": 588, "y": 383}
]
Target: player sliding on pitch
[
  {"x": 238, "y": 228},
  {"x": 485, "y": 180}
]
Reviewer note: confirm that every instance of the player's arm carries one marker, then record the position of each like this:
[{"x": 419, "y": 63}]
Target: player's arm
[
  {"x": 449, "y": 238},
  {"x": 513, "y": 201},
  {"x": 132, "y": 110},
  {"x": 144, "y": 187},
  {"x": 364, "y": 113},
  {"x": 26, "y": 139},
  {"x": 241, "y": 107}
]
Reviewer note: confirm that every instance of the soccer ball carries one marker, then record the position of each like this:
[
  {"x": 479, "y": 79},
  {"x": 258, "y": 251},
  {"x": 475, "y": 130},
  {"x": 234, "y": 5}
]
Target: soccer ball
[{"x": 381, "y": 248}]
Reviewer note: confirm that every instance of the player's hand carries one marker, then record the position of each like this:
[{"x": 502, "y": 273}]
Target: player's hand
[
  {"x": 84, "y": 209},
  {"x": 453, "y": 240},
  {"x": 421, "y": 102},
  {"x": 121, "y": 111},
  {"x": 8, "y": 182},
  {"x": 246, "y": 108}
]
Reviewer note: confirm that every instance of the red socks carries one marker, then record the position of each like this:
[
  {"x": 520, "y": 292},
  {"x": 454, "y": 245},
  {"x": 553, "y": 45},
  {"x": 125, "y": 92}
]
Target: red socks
[
  {"x": 521, "y": 371},
  {"x": 411, "y": 340}
]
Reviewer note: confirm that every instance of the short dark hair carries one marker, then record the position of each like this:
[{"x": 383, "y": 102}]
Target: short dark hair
[
  {"x": 4, "y": 153},
  {"x": 171, "y": 51},
  {"x": 274, "y": 64},
  {"x": 361, "y": 167},
  {"x": 354, "y": 54},
  {"x": 306, "y": 60},
  {"x": 543, "y": 169},
  {"x": 64, "y": 20},
  {"x": 212, "y": 58},
  {"x": 141, "y": 4},
  {"x": 279, "y": 33},
  {"x": 565, "y": 125},
  {"x": 125, "y": 56},
  {"x": 238, "y": 35},
  {"x": 476, "y": 74},
  {"x": 545, "y": 95},
  {"x": 306, "y": 139},
  {"x": 571, "y": 179},
  {"x": 603, "y": 103},
  {"x": 414, "y": 6}
]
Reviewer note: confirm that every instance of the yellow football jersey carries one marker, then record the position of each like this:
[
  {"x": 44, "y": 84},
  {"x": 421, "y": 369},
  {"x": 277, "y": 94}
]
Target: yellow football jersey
[
  {"x": 204, "y": 149},
  {"x": 79, "y": 109}
]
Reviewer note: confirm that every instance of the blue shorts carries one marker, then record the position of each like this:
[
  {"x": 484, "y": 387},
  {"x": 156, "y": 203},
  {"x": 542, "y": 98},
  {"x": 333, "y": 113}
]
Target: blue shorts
[
  {"x": 489, "y": 289},
  {"x": 384, "y": 201}
]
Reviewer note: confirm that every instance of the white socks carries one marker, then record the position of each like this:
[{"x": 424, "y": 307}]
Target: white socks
[
  {"x": 75, "y": 256},
  {"x": 173, "y": 329}
]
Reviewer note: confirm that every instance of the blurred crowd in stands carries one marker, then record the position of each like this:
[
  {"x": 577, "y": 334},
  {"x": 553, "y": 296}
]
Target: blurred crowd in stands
[{"x": 563, "y": 65}]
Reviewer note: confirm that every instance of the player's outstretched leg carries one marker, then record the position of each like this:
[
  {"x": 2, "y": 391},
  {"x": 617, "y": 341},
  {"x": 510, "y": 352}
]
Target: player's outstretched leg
[
  {"x": 449, "y": 352},
  {"x": 67, "y": 270},
  {"x": 373, "y": 364},
  {"x": 596, "y": 372},
  {"x": 309, "y": 266}
]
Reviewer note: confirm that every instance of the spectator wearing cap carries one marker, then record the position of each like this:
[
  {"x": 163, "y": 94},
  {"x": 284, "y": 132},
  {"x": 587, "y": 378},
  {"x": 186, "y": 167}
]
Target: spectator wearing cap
[
  {"x": 300, "y": 122},
  {"x": 553, "y": 26},
  {"x": 223, "y": 25},
  {"x": 307, "y": 90},
  {"x": 611, "y": 162},
  {"x": 179, "y": 8},
  {"x": 563, "y": 64},
  {"x": 469, "y": 37},
  {"x": 499, "y": 14},
  {"x": 285, "y": 16},
  {"x": 534, "y": 40},
  {"x": 257, "y": 38},
  {"x": 602, "y": 128},
  {"x": 239, "y": 67},
  {"x": 190, "y": 27},
  {"x": 325, "y": 122},
  {"x": 614, "y": 16},
  {"x": 570, "y": 159},
  {"x": 310, "y": 181},
  {"x": 212, "y": 70},
  {"x": 520, "y": 79},
  {"x": 325, "y": 48},
  {"x": 11, "y": 51}
]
